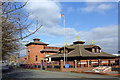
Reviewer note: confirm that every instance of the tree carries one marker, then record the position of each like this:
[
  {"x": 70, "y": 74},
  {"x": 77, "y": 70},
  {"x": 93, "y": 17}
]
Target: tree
[{"x": 15, "y": 26}]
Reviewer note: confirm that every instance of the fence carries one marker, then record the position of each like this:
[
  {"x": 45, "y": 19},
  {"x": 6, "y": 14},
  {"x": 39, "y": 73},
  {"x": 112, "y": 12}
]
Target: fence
[
  {"x": 56, "y": 65},
  {"x": 71, "y": 65}
]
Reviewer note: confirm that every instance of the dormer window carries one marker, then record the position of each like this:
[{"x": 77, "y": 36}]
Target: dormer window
[
  {"x": 61, "y": 51},
  {"x": 66, "y": 51},
  {"x": 93, "y": 50},
  {"x": 97, "y": 50}
]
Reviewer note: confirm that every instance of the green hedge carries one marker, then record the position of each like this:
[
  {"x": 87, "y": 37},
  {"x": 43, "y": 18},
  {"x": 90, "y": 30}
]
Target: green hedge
[
  {"x": 70, "y": 66},
  {"x": 104, "y": 65},
  {"x": 50, "y": 66},
  {"x": 95, "y": 65},
  {"x": 114, "y": 64},
  {"x": 56, "y": 66}
]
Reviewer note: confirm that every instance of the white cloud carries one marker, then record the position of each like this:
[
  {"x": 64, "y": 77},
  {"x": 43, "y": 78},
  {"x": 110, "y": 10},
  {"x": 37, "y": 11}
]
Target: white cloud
[
  {"x": 96, "y": 7},
  {"x": 105, "y": 7},
  {"x": 47, "y": 12},
  {"x": 106, "y": 37}
]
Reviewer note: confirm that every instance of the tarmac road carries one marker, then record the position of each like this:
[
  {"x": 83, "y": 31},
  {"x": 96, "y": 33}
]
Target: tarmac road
[{"x": 27, "y": 73}]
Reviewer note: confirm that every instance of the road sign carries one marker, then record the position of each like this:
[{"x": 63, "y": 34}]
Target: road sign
[{"x": 66, "y": 65}]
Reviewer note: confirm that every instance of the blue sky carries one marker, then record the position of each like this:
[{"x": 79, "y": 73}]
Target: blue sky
[{"x": 89, "y": 20}]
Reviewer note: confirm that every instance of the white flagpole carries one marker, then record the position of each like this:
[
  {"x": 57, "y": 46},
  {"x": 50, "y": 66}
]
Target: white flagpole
[{"x": 64, "y": 40}]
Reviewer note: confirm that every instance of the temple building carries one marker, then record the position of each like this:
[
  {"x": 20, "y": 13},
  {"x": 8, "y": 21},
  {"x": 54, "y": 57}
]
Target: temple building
[
  {"x": 84, "y": 54},
  {"x": 37, "y": 50}
]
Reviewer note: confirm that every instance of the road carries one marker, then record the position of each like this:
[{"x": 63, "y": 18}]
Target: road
[{"x": 27, "y": 73}]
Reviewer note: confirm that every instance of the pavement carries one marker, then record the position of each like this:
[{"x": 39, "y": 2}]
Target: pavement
[{"x": 30, "y": 73}]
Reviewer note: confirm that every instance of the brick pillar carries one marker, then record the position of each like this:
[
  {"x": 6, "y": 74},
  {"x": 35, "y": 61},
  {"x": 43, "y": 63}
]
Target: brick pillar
[
  {"x": 52, "y": 63},
  {"x": 87, "y": 63},
  {"x": 109, "y": 62},
  {"x": 45, "y": 65},
  {"x": 99, "y": 64},
  {"x": 75, "y": 63},
  {"x": 61, "y": 65}
]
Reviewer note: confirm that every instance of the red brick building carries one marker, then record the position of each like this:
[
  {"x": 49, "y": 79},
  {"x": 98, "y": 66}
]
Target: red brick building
[{"x": 37, "y": 50}]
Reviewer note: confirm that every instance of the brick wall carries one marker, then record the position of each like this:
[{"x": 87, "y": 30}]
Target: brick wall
[{"x": 34, "y": 51}]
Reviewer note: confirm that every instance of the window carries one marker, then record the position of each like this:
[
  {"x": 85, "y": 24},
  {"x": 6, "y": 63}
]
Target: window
[
  {"x": 36, "y": 58},
  {"x": 97, "y": 50},
  {"x": 61, "y": 51},
  {"x": 93, "y": 50},
  {"x": 66, "y": 51}
]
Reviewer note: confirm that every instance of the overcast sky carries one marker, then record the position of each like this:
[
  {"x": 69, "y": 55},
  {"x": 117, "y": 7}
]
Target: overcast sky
[{"x": 97, "y": 21}]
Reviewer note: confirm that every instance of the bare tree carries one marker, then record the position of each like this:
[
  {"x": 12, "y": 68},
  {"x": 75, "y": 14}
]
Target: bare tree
[{"x": 15, "y": 25}]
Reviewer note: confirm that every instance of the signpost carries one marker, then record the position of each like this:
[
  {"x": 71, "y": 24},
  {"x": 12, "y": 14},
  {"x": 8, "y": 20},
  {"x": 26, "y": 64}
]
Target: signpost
[{"x": 66, "y": 65}]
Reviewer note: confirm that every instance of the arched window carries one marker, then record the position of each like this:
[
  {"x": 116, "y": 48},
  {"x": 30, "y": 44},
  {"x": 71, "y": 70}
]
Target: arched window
[{"x": 36, "y": 58}]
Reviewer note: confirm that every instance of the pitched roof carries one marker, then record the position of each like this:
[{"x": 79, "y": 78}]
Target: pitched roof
[
  {"x": 79, "y": 50},
  {"x": 78, "y": 42},
  {"x": 36, "y": 43},
  {"x": 68, "y": 47}
]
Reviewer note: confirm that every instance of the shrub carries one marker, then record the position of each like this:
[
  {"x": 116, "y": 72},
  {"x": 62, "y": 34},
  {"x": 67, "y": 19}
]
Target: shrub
[
  {"x": 114, "y": 64},
  {"x": 49, "y": 66},
  {"x": 104, "y": 65},
  {"x": 35, "y": 66},
  {"x": 39, "y": 66},
  {"x": 95, "y": 65},
  {"x": 56, "y": 66},
  {"x": 70, "y": 66}
]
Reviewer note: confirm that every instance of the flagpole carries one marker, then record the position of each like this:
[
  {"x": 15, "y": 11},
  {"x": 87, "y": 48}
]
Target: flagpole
[{"x": 64, "y": 40}]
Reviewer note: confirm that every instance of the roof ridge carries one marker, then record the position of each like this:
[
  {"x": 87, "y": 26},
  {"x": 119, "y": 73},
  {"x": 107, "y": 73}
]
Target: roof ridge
[{"x": 79, "y": 50}]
